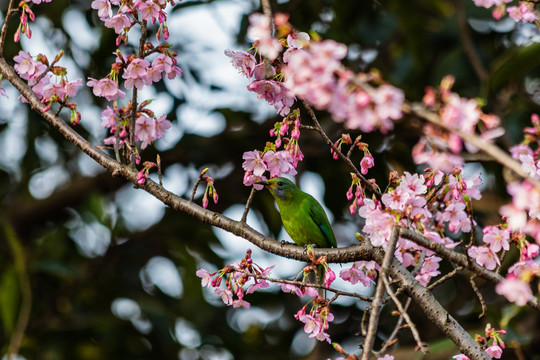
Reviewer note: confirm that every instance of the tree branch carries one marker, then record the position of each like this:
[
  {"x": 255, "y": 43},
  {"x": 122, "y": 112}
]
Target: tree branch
[
  {"x": 494, "y": 151},
  {"x": 432, "y": 308},
  {"x": 376, "y": 304},
  {"x": 458, "y": 259}
]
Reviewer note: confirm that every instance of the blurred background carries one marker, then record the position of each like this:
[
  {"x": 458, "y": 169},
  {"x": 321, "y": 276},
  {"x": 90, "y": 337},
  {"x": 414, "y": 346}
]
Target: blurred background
[{"x": 110, "y": 272}]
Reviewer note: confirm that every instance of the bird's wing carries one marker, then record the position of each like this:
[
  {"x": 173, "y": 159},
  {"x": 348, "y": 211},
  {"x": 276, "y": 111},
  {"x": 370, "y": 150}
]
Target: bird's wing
[{"x": 319, "y": 217}]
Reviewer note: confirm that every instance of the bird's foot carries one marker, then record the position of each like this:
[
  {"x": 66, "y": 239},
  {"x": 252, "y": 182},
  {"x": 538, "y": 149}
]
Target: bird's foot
[{"x": 283, "y": 242}]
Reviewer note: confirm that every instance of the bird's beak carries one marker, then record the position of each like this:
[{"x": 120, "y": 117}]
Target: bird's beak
[{"x": 264, "y": 183}]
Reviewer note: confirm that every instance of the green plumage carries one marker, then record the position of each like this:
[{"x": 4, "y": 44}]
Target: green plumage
[{"x": 302, "y": 216}]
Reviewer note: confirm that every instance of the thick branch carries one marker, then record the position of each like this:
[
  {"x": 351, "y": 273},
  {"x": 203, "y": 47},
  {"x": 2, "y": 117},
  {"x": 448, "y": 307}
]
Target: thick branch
[{"x": 353, "y": 253}]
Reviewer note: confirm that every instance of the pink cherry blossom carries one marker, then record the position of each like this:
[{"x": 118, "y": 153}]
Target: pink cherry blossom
[
  {"x": 118, "y": 22},
  {"x": 456, "y": 217},
  {"x": 515, "y": 290},
  {"x": 297, "y": 39},
  {"x": 108, "y": 118},
  {"x": 489, "y": 3},
  {"x": 524, "y": 12},
  {"x": 329, "y": 277},
  {"x": 290, "y": 288},
  {"x": 260, "y": 30},
  {"x": 460, "y": 357},
  {"x": 145, "y": 130},
  {"x": 496, "y": 238},
  {"x": 280, "y": 162},
  {"x": 72, "y": 87},
  {"x": 242, "y": 61},
  {"x": 251, "y": 179},
  {"x": 378, "y": 223},
  {"x": 163, "y": 63},
  {"x": 429, "y": 270},
  {"x": 226, "y": 295},
  {"x": 366, "y": 163},
  {"x": 103, "y": 7},
  {"x": 254, "y": 163},
  {"x": 107, "y": 88},
  {"x": 25, "y": 65},
  {"x": 161, "y": 125},
  {"x": 54, "y": 90},
  {"x": 484, "y": 256},
  {"x": 494, "y": 351},
  {"x": 205, "y": 276},
  {"x": 388, "y": 101},
  {"x": 149, "y": 10}
]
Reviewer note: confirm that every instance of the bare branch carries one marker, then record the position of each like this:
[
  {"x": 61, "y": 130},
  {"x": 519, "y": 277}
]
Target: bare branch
[
  {"x": 348, "y": 161},
  {"x": 403, "y": 313},
  {"x": 379, "y": 292}
]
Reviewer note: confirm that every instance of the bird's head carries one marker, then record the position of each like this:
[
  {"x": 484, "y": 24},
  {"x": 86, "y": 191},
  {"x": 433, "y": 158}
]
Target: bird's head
[{"x": 280, "y": 188}]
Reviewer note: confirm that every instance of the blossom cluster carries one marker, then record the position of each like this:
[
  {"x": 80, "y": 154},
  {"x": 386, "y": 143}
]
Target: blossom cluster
[
  {"x": 276, "y": 162},
  {"x": 39, "y": 74},
  {"x": 316, "y": 319},
  {"x": 266, "y": 83},
  {"x": 364, "y": 272},
  {"x": 440, "y": 149},
  {"x": 404, "y": 203},
  {"x": 238, "y": 276},
  {"x": 315, "y": 74},
  {"x": 152, "y": 64},
  {"x": 523, "y": 213},
  {"x": 236, "y": 280},
  {"x": 525, "y": 11},
  {"x": 491, "y": 343},
  {"x": 516, "y": 286},
  {"x": 132, "y": 12}
]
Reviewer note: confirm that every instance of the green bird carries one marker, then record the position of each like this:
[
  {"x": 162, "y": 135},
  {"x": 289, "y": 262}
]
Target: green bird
[{"x": 302, "y": 216}]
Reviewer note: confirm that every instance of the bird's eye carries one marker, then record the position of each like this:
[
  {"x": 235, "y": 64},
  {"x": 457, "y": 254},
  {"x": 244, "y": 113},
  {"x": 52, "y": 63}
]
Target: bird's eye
[{"x": 280, "y": 183}]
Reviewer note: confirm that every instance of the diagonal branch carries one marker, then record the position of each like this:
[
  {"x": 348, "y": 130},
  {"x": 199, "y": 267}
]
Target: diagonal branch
[
  {"x": 494, "y": 151},
  {"x": 458, "y": 259},
  {"x": 352, "y": 253},
  {"x": 343, "y": 157}
]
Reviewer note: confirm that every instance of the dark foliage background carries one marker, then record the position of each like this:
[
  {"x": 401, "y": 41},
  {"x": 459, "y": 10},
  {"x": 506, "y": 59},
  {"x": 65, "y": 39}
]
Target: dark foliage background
[{"x": 94, "y": 292}]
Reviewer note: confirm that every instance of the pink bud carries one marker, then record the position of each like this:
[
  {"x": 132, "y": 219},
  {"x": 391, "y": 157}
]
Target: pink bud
[{"x": 350, "y": 193}]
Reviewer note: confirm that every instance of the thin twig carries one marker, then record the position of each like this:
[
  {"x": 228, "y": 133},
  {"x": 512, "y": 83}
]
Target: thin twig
[
  {"x": 376, "y": 304},
  {"x": 444, "y": 278},
  {"x": 134, "y": 97},
  {"x": 468, "y": 44},
  {"x": 248, "y": 205},
  {"x": 392, "y": 336},
  {"x": 349, "y": 163},
  {"x": 480, "y": 297},
  {"x": 433, "y": 194},
  {"x": 406, "y": 316},
  {"x": 314, "y": 285},
  {"x": 10, "y": 11},
  {"x": 203, "y": 171},
  {"x": 267, "y": 11},
  {"x": 159, "y": 171}
]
